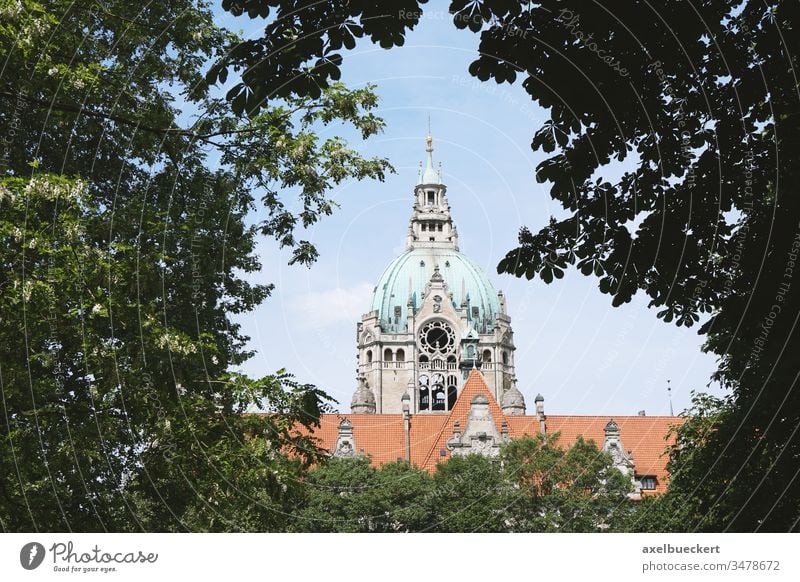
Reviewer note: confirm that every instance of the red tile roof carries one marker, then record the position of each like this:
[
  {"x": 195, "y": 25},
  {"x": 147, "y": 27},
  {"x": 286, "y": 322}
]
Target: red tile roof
[
  {"x": 644, "y": 436},
  {"x": 381, "y": 435}
]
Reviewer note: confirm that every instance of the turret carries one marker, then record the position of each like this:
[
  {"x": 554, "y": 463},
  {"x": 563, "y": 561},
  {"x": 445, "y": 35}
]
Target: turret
[
  {"x": 513, "y": 403},
  {"x": 363, "y": 400}
]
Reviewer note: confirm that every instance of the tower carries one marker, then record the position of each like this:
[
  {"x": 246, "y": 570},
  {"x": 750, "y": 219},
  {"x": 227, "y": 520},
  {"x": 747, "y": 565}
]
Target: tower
[{"x": 434, "y": 316}]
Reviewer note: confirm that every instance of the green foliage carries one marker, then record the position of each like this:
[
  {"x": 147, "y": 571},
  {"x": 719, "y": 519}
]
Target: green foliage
[
  {"x": 704, "y": 219},
  {"x": 299, "y": 53},
  {"x": 348, "y": 495},
  {"x": 93, "y": 92},
  {"x": 131, "y": 197},
  {"x": 119, "y": 387},
  {"x": 572, "y": 490},
  {"x": 471, "y": 494},
  {"x": 534, "y": 486}
]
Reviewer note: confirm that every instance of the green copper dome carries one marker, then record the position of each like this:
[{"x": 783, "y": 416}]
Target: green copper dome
[{"x": 464, "y": 279}]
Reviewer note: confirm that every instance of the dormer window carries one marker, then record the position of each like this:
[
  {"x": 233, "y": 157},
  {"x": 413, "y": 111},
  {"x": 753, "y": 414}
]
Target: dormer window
[{"x": 648, "y": 482}]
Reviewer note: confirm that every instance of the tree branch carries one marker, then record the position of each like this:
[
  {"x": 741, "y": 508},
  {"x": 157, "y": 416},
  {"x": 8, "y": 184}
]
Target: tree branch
[
  {"x": 80, "y": 110},
  {"x": 190, "y": 133}
]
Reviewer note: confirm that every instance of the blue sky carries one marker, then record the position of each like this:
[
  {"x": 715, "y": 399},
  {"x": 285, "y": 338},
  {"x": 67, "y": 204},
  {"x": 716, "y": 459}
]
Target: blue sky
[{"x": 582, "y": 355}]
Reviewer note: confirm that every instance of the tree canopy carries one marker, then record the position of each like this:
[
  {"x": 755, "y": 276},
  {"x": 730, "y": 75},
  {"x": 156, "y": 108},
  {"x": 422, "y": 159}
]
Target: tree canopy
[
  {"x": 535, "y": 485},
  {"x": 131, "y": 194},
  {"x": 696, "y": 105}
]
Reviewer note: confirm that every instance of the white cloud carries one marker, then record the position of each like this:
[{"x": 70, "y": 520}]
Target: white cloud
[{"x": 324, "y": 308}]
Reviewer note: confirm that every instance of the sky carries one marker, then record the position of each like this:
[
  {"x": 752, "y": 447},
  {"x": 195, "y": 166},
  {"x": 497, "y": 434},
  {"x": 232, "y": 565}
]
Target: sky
[{"x": 584, "y": 356}]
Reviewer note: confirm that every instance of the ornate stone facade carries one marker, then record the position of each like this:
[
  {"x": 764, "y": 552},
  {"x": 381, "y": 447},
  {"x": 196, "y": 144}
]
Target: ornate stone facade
[
  {"x": 480, "y": 436},
  {"x": 437, "y": 345},
  {"x": 434, "y": 317},
  {"x": 345, "y": 442}
]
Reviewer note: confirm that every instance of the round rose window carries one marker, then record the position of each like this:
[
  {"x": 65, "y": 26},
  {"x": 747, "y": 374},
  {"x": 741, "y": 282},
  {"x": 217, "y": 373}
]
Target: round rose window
[{"x": 437, "y": 337}]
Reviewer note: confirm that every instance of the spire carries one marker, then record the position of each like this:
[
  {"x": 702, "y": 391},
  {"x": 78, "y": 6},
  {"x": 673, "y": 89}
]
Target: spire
[
  {"x": 430, "y": 175},
  {"x": 431, "y": 224}
]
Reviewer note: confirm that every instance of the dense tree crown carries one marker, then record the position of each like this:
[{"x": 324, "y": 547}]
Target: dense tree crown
[
  {"x": 703, "y": 218},
  {"x": 127, "y": 192},
  {"x": 534, "y": 486}
]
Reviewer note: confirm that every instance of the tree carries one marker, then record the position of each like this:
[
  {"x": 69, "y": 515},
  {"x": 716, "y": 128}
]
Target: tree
[
  {"x": 690, "y": 455},
  {"x": 349, "y": 495},
  {"x": 299, "y": 52},
  {"x": 535, "y": 485},
  {"x": 470, "y": 494},
  {"x": 124, "y": 237},
  {"x": 564, "y": 490},
  {"x": 703, "y": 219}
]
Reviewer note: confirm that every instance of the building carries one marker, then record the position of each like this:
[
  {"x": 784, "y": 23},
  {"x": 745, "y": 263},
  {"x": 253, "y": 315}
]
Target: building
[{"x": 436, "y": 364}]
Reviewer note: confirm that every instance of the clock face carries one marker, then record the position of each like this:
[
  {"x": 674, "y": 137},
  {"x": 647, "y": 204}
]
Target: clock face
[{"x": 437, "y": 338}]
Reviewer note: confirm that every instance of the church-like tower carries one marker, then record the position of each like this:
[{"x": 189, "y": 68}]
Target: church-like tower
[{"x": 434, "y": 317}]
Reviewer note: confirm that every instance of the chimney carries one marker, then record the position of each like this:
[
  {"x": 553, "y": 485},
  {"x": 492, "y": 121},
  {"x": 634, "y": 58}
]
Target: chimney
[
  {"x": 406, "y": 405},
  {"x": 539, "y": 401}
]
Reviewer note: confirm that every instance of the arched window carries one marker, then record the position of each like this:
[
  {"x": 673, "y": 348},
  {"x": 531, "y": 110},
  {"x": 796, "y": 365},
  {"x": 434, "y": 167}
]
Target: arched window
[
  {"x": 423, "y": 359},
  {"x": 505, "y": 358},
  {"x": 452, "y": 391},
  {"x": 424, "y": 393},
  {"x": 387, "y": 355},
  {"x": 438, "y": 393},
  {"x": 369, "y": 356},
  {"x": 439, "y": 399},
  {"x": 401, "y": 356},
  {"x": 487, "y": 355},
  {"x": 431, "y": 199}
]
